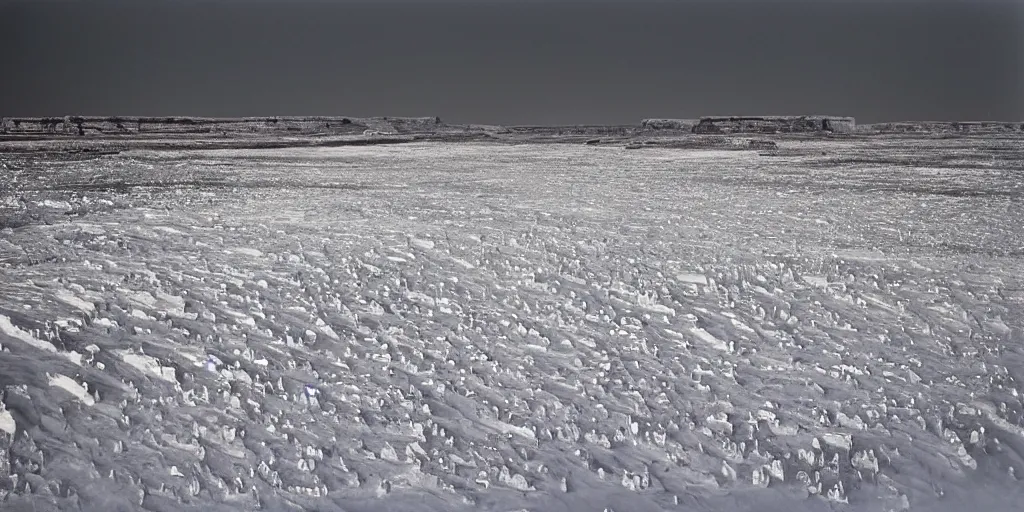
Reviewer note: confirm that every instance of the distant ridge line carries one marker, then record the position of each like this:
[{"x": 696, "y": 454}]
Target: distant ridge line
[{"x": 112, "y": 126}]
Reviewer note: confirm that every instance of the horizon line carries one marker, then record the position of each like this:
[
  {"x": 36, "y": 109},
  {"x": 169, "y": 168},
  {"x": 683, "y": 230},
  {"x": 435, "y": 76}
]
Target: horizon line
[{"x": 441, "y": 120}]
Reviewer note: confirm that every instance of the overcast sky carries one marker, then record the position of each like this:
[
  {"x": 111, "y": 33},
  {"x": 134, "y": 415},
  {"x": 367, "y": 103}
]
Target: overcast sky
[{"x": 509, "y": 62}]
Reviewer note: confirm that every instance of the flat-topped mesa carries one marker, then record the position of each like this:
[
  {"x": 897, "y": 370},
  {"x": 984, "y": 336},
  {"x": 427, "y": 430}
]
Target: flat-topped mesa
[
  {"x": 408, "y": 124},
  {"x": 121, "y": 125},
  {"x": 775, "y": 124},
  {"x": 940, "y": 127},
  {"x": 137, "y": 125},
  {"x": 683, "y": 125}
]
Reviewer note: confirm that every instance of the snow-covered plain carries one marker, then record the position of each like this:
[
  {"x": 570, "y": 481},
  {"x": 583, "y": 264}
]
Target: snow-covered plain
[{"x": 515, "y": 327}]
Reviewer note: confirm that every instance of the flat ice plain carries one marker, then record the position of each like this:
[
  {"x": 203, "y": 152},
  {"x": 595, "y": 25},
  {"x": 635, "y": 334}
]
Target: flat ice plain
[{"x": 542, "y": 327}]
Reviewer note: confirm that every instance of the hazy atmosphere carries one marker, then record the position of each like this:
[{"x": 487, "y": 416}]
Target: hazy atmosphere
[{"x": 507, "y": 62}]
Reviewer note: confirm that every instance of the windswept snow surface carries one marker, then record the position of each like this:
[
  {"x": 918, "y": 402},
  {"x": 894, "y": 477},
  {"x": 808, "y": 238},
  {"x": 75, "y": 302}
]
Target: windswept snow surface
[{"x": 504, "y": 328}]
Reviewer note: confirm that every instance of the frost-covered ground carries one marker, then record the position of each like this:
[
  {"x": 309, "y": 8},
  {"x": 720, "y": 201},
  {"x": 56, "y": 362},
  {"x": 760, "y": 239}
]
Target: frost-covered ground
[{"x": 535, "y": 327}]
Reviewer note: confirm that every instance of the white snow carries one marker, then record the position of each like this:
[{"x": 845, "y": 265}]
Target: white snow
[
  {"x": 72, "y": 300},
  {"x": 840, "y": 441},
  {"x": 421, "y": 244},
  {"x": 463, "y": 263},
  {"x": 167, "y": 229},
  {"x": 13, "y": 331},
  {"x": 7, "y": 423},
  {"x": 59, "y": 205},
  {"x": 692, "y": 278},
  {"x": 68, "y": 384},
  {"x": 612, "y": 341},
  {"x": 147, "y": 365},
  {"x": 141, "y": 298},
  {"x": 248, "y": 251},
  {"x": 710, "y": 339},
  {"x": 73, "y": 356},
  {"x": 420, "y": 297},
  {"x": 816, "y": 281}
]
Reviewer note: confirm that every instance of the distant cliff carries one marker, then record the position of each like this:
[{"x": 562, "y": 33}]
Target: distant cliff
[
  {"x": 825, "y": 124},
  {"x": 944, "y": 127},
  {"x": 722, "y": 125},
  {"x": 89, "y": 133},
  {"x": 682, "y": 125},
  {"x": 775, "y": 124},
  {"x": 112, "y": 126}
]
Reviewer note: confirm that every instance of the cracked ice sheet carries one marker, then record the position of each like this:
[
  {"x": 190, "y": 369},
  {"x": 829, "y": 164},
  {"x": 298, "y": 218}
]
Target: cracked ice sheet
[{"x": 552, "y": 318}]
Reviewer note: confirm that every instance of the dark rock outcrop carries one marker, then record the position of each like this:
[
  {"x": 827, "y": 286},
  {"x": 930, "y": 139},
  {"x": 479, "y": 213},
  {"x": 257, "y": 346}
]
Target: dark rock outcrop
[
  {"x": 775, "y": 124},
  {"x": 944, "y": 127},
  {"x": 112, "y": 126},
  {"x": 683, "y": 125}
]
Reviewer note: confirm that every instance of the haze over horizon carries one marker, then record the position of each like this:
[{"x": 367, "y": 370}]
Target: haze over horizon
[{"x": 502, "y": 62}]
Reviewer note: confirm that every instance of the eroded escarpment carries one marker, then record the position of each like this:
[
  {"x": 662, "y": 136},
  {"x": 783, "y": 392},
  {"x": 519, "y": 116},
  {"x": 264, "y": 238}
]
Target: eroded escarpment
[
  {"x": 775, "y": 124},
  {"x": 946, "y": 127},
  {"x": 133, "y": 125}
]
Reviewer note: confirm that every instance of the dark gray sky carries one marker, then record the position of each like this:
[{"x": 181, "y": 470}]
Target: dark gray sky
[{"x": 514, "y": 62}]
